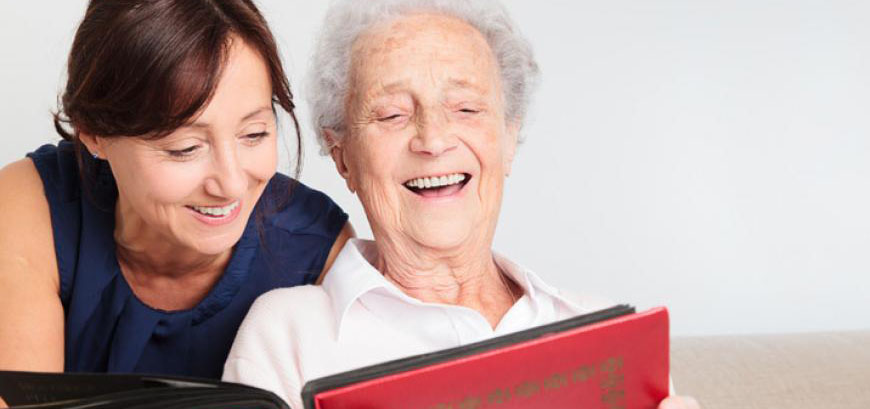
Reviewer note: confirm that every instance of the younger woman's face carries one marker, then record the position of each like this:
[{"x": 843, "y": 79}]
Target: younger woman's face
[{"x": 197, "y": 187}]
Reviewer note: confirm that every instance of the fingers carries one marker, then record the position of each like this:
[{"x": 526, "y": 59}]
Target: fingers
[{"x": 679, "y": 402}]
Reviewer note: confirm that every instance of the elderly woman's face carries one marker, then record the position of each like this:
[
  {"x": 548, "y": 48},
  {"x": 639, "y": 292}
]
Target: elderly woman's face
[{"x": 428, "y": 146}]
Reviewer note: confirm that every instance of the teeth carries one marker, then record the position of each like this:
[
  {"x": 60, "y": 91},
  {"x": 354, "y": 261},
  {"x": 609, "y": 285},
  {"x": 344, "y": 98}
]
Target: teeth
[
  {"x": 217, "y": 211},
  {"x": 435, "y": 181}
]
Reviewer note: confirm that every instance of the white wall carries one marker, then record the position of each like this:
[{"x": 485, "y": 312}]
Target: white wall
[{"x": 707, "y": 155}]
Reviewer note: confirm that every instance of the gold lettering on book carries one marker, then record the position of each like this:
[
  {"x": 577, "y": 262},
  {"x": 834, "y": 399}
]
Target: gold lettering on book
[
  {"x": 583, "y": 373},
  {"x": 555, "y": 381},
  {"x": 613, "y": 383},
  {"x": 612, "y": 365},
  {"x": 469, "y": 403},
  {"x": 527, "y": 389},
  {"x": 611, "y": 380},
  {"x": 498, "y": 396}
]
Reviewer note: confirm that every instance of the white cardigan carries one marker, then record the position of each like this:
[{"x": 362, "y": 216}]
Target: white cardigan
[{"x": 358, "y": 318}]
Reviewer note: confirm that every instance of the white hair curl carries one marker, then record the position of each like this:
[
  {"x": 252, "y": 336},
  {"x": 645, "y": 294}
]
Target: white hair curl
[{"x": 328, "y": 78}]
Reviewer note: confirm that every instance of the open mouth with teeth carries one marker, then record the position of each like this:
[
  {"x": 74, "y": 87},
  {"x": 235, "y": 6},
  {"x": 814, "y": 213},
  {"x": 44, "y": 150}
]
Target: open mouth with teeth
[
  {"x": 216, "y": 212},
  {"x": 438, "y": 186}
]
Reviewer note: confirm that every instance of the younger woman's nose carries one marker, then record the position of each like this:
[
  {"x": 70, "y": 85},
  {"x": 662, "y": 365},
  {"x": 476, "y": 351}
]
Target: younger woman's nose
[{"x": 227, "y": 179}]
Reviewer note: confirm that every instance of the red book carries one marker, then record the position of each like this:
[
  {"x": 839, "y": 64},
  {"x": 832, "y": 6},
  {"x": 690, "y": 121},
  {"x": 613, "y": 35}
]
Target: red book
[{"x": 610, "y": 359}]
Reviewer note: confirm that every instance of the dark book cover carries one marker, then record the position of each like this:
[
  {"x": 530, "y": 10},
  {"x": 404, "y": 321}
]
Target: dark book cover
[{"x": 30, "y": 390}]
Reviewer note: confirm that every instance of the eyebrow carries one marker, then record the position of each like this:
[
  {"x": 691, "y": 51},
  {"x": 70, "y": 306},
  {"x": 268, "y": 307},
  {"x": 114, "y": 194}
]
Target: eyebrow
[
  {"x": 258, "y": 111},
  {"x": 464, "y": 84},
  {"x": 393, "y": 87}
]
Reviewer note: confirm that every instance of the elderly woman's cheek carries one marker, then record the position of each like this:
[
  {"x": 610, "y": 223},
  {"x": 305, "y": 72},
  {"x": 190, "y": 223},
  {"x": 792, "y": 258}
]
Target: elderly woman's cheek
[{"x": 383, "y": 206}]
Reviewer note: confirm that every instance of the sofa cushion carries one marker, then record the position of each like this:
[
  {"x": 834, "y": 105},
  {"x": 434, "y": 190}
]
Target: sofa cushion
[{"x": 796, "y": 371}]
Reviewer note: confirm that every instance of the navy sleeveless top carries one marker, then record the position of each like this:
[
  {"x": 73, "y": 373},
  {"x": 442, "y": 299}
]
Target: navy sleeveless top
[{"x": 108, "y": 329}]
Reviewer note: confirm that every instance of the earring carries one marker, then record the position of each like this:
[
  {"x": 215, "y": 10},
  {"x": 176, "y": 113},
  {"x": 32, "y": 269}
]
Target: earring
[{"x": 96, "y": 156}]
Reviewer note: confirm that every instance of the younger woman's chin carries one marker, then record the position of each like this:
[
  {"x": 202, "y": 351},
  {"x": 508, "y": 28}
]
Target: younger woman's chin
[{"x": 214, "y": 245}]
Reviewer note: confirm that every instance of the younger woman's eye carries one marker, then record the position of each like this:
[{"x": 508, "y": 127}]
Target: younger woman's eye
[
  {"x": 255, "y": 137},
  {"x": 183, "y": 153}
]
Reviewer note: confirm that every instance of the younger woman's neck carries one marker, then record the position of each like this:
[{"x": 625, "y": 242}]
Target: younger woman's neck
[{"x": 163, "y": 274}]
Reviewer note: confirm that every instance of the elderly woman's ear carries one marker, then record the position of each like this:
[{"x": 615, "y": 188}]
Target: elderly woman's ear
[
  {"x": 338, "y": 156},
  {"x": 513, "y": 134}
]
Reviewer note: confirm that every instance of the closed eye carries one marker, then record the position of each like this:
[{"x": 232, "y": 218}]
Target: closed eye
[
  {"x": 256, "y": 137},
  {"x": 389, "y": 118},
  {"x": 183, "y": 153}
]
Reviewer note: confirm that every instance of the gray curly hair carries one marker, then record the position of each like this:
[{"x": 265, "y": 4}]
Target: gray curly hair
[{"x": 328, "y": 79}]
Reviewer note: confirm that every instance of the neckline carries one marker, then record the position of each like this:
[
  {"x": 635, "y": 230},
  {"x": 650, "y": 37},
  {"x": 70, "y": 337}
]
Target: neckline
[{"x": 352, "y": 276}]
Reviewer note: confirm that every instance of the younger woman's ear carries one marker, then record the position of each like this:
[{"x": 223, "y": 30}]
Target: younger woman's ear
[
  {"x": 338, "y": 152},
  {"x": 93, "y": 144}
]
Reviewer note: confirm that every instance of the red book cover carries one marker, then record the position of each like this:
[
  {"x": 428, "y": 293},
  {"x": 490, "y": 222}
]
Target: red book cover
[{"x": 611, "y": 359}]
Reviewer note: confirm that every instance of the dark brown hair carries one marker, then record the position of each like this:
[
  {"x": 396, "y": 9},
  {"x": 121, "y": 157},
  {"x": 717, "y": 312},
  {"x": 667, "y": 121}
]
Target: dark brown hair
[{"x": 143, "y": 68}]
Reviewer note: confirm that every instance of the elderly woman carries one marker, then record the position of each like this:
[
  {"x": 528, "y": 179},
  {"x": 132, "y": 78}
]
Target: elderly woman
[{"x": 420, "y": 104}]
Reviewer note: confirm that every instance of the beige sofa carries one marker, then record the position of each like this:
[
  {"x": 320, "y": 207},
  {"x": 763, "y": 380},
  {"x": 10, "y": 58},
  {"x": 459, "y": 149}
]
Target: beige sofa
[{"x": 799, "y": 371}]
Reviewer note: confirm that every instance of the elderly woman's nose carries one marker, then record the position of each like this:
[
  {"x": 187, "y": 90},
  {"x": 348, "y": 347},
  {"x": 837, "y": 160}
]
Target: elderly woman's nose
[
  {"x": 433, "y": 136},
  {"x": 228, "y": 177}
]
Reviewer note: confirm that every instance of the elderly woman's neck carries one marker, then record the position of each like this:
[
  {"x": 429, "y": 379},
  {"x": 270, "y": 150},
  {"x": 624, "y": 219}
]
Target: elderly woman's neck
[{"x": 466, "y": 279}]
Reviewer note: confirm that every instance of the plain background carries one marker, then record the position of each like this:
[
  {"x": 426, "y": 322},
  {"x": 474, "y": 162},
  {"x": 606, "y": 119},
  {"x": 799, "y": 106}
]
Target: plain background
[{"x": 711, "y": 156}]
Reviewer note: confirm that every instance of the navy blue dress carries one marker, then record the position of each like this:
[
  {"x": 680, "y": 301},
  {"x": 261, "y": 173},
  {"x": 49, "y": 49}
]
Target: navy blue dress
[{"x": 108, "y": 329}]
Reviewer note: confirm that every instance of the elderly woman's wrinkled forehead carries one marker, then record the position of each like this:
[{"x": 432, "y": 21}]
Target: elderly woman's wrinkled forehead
[
  {"x": 330, "y": 80},
  {"x": 396, "y": 32},
  {"x": 431, "y": 40}
]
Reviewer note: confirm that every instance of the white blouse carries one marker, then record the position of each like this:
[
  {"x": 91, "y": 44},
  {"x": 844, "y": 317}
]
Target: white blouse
[{"x": 358, "y": 318}]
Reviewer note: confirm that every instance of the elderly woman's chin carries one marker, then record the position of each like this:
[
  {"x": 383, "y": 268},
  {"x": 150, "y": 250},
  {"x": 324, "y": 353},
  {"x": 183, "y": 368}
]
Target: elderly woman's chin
[
  {"x": 441, "y": 234},
  {"x": 442, "y": 231}
]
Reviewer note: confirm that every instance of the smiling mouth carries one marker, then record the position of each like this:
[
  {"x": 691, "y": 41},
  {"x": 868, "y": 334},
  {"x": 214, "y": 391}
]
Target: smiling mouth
[
  {"x": 216, "y": 212},
  {"x": 438, "y": 186}
]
